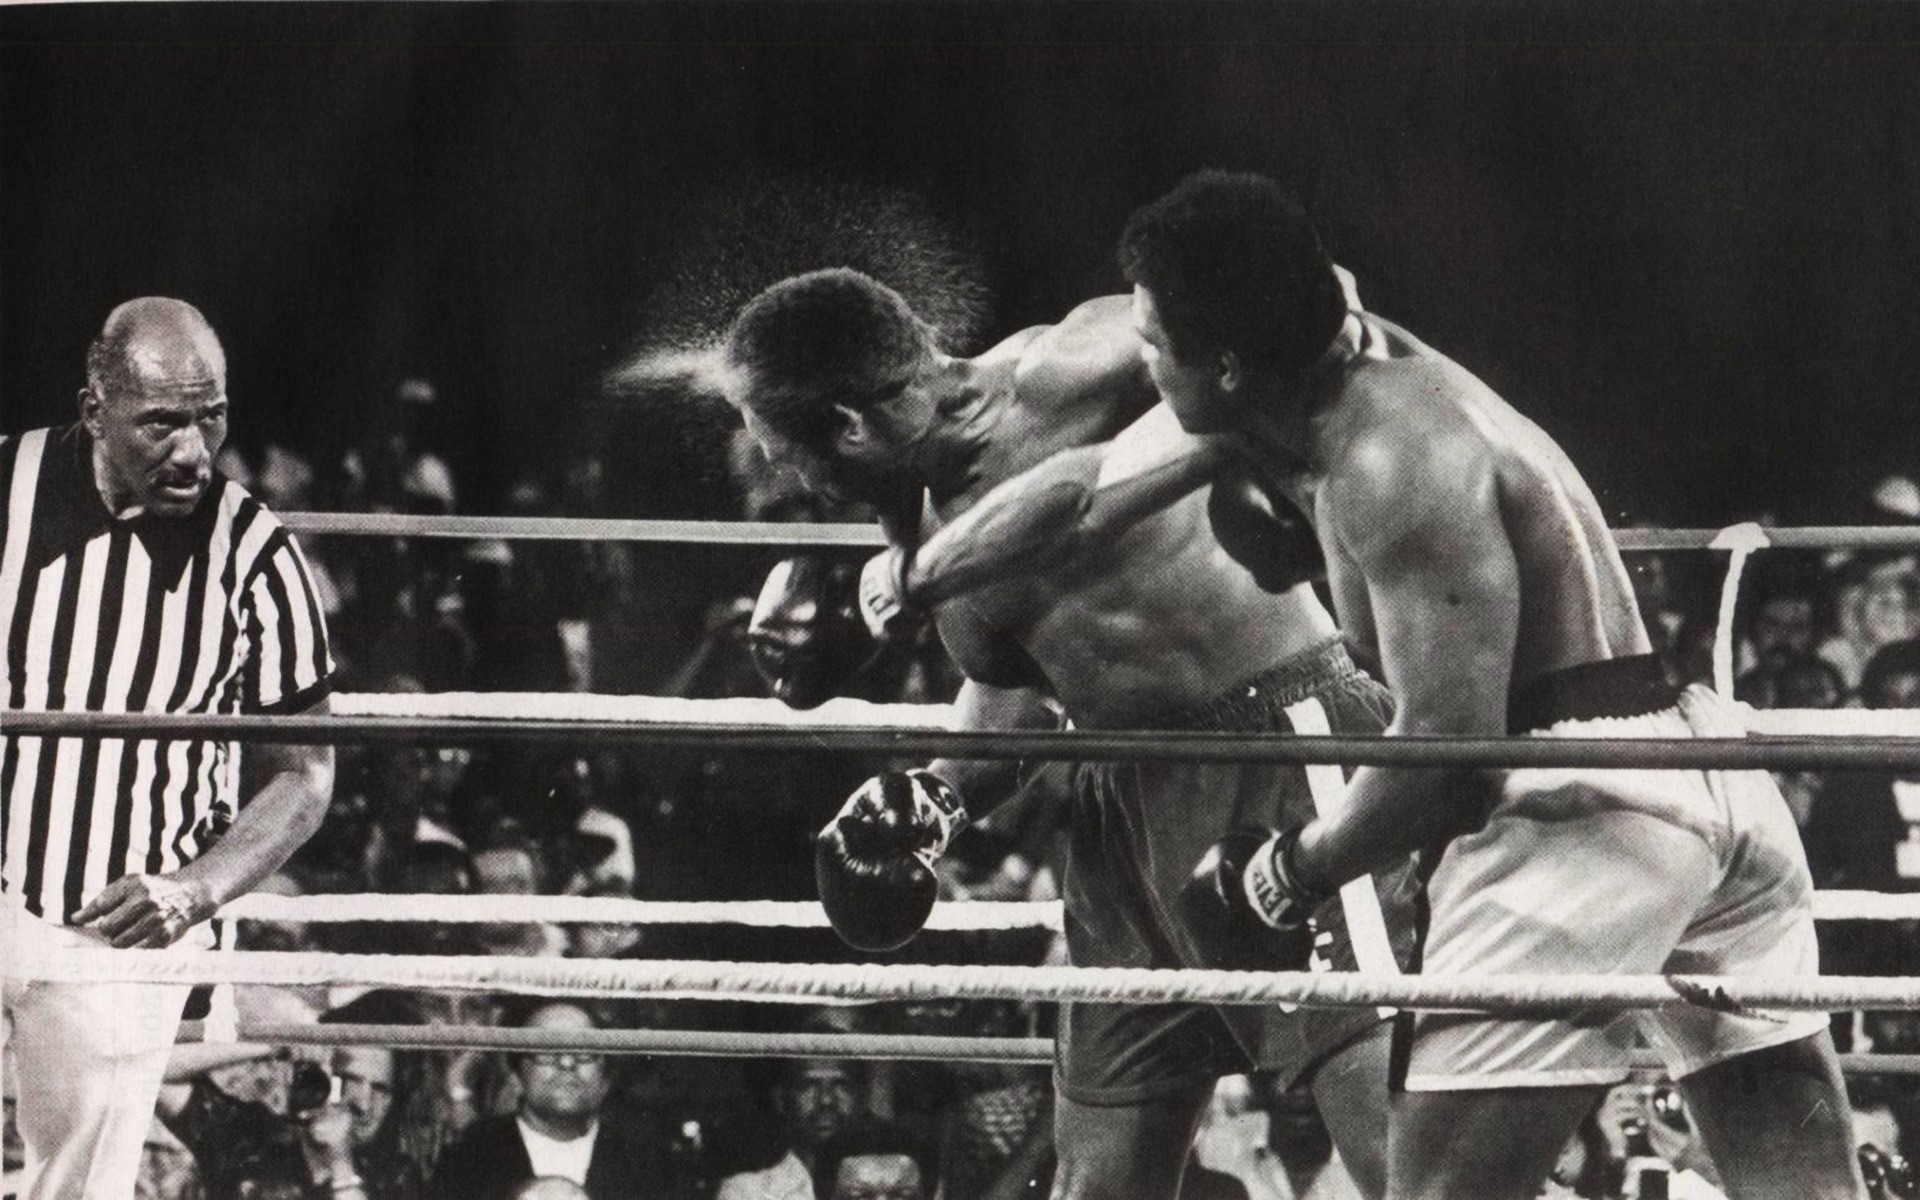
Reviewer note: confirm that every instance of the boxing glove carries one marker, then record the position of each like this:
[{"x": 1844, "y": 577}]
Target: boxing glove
[
  {"x": 1264, "y": 533},
  {"x": 806, "y": 635},
  {"x": 874, "y": 861},
  {"x": 1244, "y": 907},
  {"x": 883, "y": 595}
]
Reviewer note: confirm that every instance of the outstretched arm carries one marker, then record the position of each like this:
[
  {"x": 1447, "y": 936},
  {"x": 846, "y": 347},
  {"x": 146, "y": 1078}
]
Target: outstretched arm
[
  {"x": 986, "y": 782},
  {"x": 1078, "y": 498},
  {"x": 1443, "y": 589}
]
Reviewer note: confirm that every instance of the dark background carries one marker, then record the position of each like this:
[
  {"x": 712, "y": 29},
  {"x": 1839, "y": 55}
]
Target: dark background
[{"x": 1686, "y": 238}]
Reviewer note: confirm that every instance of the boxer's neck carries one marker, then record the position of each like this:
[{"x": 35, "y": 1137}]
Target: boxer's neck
[
  {"x": 1298, "y": 413},
  {"x": 968, "y": 408}
]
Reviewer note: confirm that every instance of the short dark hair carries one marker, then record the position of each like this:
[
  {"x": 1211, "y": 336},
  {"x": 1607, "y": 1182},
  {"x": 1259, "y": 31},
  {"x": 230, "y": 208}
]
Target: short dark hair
[
  {"x": 826, "y": 337},
  {"x": 1234, "y": 264},
  {"x": 874, "y": 1138}
]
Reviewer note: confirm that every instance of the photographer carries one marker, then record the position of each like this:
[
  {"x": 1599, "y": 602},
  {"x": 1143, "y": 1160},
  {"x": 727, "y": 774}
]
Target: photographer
[{"x": 337, "y": 1139}]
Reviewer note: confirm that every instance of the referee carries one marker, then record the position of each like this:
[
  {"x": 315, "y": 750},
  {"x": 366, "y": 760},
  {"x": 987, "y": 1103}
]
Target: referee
[{"x": 133, "y": 578}]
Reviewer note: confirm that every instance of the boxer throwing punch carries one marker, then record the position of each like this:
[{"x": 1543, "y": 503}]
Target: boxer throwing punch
[
  {"x": 839, "y": 380},
  {"x": 134, "y": 578},
  {"x": 1466, "y": 549}
]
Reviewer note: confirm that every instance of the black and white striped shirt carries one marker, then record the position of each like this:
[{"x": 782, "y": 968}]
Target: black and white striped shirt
[{"x": 213, "y": 612}]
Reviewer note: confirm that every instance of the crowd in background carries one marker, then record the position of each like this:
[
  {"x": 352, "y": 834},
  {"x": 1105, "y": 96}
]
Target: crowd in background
[{"x": 418, "y": 615}]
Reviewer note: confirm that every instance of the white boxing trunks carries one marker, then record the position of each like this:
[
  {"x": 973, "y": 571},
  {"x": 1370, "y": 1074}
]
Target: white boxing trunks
[{"x": 1595, "y": 872}]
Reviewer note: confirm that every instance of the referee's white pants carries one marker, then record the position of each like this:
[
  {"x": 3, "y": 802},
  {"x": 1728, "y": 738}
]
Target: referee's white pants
[{"x": 90, "y": 1060}]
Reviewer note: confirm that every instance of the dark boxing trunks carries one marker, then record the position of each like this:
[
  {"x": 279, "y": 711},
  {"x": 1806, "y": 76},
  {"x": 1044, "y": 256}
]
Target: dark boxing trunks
[{"x": 1137, "y": 831}]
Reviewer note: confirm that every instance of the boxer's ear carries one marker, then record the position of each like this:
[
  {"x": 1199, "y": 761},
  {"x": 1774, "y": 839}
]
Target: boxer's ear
[
  {"x": 1230, "y": 372},
  {"x": 851, "y": 428}
]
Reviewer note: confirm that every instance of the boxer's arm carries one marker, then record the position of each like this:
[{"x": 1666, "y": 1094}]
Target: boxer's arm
[
  {"x": 1442, "y": 584},
  {"x": 984, "y": 783},
  {"x": 155, "y": 910},
  {"x": 1075, "y": 499}
]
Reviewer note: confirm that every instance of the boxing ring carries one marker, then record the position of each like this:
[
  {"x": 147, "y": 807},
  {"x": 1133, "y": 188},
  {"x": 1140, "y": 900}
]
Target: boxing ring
[{"x": 1776, "y": 740}]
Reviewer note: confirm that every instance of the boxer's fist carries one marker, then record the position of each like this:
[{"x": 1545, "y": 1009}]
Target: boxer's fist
[
  {"x": 1263, "y": 533},
  {"x": 1242, "y": 907},
  {"x": 883, "y": 595},
  {"x": 874, "y": 862},
  {"x": 806, "y": 634}
]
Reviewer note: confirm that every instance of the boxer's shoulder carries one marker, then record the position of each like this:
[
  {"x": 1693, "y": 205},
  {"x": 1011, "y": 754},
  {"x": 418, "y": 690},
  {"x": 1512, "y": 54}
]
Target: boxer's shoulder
[{"x": 1096, "y": 337}]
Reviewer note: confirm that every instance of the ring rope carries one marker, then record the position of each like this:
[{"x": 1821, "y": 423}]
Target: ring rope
[
  {"x": 1782, "y": 754},
  {"x": 1506, "y": 994},
  {"x": 957, "y": 915},
  {"x": 776, "y": 534},
  {"x": 1741, "y": 541},
  {"x": 705, "y": 1043},
  {"x": 585, "y": 529},
  {"x": 971, "y": 916},
  {"x": 690, "y": 1043}
]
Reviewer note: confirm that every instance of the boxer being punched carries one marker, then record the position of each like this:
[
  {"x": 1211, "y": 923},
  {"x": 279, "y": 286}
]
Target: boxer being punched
[
  {"x": 1466, "y": 548},
  {"x": 839, "y": 380}
]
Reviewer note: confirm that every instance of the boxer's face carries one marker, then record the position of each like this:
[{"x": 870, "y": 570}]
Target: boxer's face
[
  {"x": 1191, "y": 390},
  {"x": 157, "y": 426},
  {"x": 865, "y": 468},
  {"x": 790, "y": 456}
]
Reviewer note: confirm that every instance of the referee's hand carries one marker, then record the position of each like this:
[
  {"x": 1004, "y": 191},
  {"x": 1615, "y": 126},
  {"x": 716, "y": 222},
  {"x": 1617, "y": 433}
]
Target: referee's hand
[{"x": 150, "y": 911}]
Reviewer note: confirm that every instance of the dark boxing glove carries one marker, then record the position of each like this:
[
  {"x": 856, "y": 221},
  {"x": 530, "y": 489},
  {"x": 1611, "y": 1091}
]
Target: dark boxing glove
[
  {"x": 874, "y": 861},
  {"x": 1244, "y": 905},
  {"x": 806, "y": 635},
  {"x": 1264, "y": 533}
]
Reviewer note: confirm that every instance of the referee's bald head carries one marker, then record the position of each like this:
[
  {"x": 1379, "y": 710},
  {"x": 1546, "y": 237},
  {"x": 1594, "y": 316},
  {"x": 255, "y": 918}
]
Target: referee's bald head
[{"x": 153, "y": 338}]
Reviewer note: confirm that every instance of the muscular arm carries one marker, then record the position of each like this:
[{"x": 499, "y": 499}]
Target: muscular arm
[
  {"x": 1077, "y": 498},
  {"x": 1443, "y": 589},
  {"x": 984, "y": 783},
  {"x": 141, "y": 910}
]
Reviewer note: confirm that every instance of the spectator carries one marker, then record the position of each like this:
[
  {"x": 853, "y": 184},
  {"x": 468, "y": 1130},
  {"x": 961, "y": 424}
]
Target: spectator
[
  {"x": 1865, "y": 832},
  {"x": 1662, "y": 1114},
  {"x": 611, "y": 874},
  {"x": 1876, "y": 606},
  {"x": 1792, "y": 681},
  {"x": 167, "y": 1169},
  {"x": 814, "y": 1099},
  {"x": 1880, "y": 1117},
  {"x": 338, "y": 1138},
  {"x": 873, "y": 1161},
  {"x": 1786, "y": 606},
  {"x": 559, "y": 1129},
  {"x": 510, "y": 869},
  {"x": 391, "y": 470},
  {"x": 1270, "y": 1138},
  {"x": 1798, "y": 682},
  {"x": 980, "y": 1116}
]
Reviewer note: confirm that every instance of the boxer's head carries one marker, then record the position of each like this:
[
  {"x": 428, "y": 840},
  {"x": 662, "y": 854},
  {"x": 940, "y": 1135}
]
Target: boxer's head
[
  {"x": 1230, "y": 281},
  {"x": 155, "y": 405},
  {"x": 829, "y": 370}
]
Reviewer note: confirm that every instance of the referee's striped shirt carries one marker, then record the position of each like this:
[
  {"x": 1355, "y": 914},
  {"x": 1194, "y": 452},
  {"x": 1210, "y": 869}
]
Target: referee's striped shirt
[{"x": 213, "y": 612}]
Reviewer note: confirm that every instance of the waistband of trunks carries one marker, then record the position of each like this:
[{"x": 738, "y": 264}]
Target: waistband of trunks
[
  {"x": 1288, "y": 681},
  {"x": 1616, "y": 687}
]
